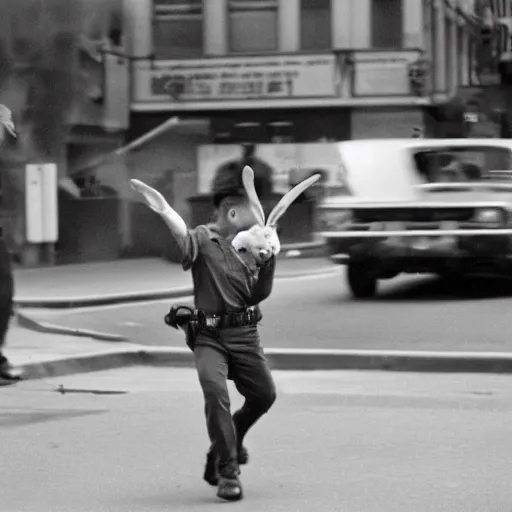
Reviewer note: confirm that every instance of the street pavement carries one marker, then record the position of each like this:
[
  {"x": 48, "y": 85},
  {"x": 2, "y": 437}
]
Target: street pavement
[
  {"x": 350, "y": 441},
  {"x": 26, "y": 347},
  {"x": 410, "y": 313},
  {"x": 136, "y": 276}
]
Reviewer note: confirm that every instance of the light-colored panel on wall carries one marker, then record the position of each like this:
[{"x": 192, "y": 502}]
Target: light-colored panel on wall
[
  {"x": 412, "y": 24},
  {"x": 361, "y": 24},
  {"x": 341, "y": 23},
  {"x": 289, "y": 25},
  {"x": 138, "y": 17},
  {"x": 215, "y": 27}
]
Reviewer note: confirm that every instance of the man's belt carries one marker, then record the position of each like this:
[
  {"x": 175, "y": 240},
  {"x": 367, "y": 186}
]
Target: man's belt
[
  {"x": 180, "y": 315},
  {"x": 249, "y": 316}
]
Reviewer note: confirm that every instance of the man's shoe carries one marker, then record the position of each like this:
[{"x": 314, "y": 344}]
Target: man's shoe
[
  {"x": 243, "y": 455},
  {"x": 230, "y": 488},
  {"x": 7, "y": 372},
  {"x": 211, "y": 474}
]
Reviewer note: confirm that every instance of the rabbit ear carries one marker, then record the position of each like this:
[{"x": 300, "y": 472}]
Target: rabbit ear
[
  {"x": 248, "y": 181},
  {"x": 285, "y": 202}
]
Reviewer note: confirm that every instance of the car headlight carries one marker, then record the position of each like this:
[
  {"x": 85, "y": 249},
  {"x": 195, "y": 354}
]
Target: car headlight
[{"x": 489, "y": 216}]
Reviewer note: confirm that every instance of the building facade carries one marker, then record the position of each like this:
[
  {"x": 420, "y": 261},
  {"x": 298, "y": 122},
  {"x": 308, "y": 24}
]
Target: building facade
[
  {"x": 298, "y": 70},
  {"x": 284, "y": 77},
  {"x": 288, "y": 77},
  {"x": 66, "y": 80}
]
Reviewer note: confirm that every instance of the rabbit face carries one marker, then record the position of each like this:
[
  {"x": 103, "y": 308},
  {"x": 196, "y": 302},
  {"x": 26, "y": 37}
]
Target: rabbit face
[
  {"x": 259, "y": 244},
  {"x": 273, "y": 240},
  {"x": 262, "y": 243}
]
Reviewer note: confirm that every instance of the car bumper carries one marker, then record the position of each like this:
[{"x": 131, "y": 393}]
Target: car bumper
[{"x": 420, "y": 246}]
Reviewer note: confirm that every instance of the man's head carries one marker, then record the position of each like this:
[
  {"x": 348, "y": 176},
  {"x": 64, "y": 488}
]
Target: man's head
[
  {"x": 232, "y": 207},
  {"x": 234, "y": 214}
]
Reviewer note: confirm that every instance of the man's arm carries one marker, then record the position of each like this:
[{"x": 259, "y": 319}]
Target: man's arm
[
  {"x": 263, "y": 286},
  {"x": 188, "y": 241},
  {"x": 174, "y": 222}
]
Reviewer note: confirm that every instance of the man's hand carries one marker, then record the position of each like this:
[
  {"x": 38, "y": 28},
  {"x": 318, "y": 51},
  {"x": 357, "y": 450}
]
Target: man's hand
[
  {"x": 154, "y": 199},
  {"x": 158, "y": 204}
]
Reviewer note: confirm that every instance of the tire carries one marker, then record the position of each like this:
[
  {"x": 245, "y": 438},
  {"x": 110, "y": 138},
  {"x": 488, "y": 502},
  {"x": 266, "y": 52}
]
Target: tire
[
  {"x": 456, "y": 283},
  {"x": 453, "y": 278},
  {"x": 362, "y": 283}
]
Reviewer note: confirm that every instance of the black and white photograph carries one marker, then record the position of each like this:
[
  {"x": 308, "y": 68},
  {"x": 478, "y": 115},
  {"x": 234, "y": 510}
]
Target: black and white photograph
[{"x": 255, "y": 253}]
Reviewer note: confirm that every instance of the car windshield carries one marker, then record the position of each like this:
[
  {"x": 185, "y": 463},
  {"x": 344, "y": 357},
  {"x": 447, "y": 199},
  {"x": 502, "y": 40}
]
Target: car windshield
[{"x": 464, "y": 164}]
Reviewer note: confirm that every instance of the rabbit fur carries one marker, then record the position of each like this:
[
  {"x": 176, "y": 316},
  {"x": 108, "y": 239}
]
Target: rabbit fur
[{"x": 261, "y": 240}]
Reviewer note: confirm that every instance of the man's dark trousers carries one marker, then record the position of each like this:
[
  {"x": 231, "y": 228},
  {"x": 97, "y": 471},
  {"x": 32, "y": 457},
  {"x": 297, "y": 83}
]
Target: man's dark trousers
[
  {"x": 6, "y": 295},
  {"x": 236, "y": 353}
]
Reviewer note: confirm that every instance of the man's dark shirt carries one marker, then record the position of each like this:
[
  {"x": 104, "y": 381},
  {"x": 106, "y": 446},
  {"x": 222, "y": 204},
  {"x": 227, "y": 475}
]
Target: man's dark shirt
[{"x": 223, "y": 283}]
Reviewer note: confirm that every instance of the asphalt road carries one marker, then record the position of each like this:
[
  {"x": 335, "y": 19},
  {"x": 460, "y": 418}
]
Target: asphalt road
[
  {"x": 410, "y": 313},
  {"x": 351, "y": 441}
]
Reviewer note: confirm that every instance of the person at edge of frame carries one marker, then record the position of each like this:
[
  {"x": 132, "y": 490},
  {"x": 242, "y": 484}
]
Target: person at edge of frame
[
  {"x": 7, "y": 371},
  {"x": 225, "y": 286}
]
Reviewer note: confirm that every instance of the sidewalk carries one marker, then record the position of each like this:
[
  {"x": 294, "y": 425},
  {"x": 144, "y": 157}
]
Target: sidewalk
[
  {"x": 125, "y": 281},
  {"x": 51, "y": 355}
]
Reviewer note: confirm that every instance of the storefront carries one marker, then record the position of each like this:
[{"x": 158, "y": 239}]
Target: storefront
[{"x": 286, "y": 98}]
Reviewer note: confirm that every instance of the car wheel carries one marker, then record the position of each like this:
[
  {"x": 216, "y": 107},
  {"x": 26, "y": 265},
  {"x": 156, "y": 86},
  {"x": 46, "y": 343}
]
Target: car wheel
[
  {"x": 362, "y": 283},
  {"x": 453, "y": 278},
  {"x": 456, "y": 283}
]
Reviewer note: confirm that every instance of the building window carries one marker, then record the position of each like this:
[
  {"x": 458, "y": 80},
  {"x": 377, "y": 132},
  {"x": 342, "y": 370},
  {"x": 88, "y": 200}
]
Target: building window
[
  {"x": 177, "y": 29},
  {"x": 315, "y": 24},
  {"x": 253, "y": 26},
  {"x": 386, "y": 24}
]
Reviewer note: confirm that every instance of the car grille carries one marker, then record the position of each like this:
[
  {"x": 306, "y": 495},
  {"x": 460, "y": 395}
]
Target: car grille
[
  {"x": 384, "y": 219},
  {"x": 416, "y": 216}
]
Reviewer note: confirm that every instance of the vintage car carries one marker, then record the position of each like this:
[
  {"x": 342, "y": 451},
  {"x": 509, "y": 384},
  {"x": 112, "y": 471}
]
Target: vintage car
[{"x": 441, "y": 206}]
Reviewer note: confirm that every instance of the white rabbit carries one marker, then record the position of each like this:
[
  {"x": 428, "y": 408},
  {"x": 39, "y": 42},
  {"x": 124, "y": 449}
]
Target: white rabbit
[{"x": 261, "y": 241}]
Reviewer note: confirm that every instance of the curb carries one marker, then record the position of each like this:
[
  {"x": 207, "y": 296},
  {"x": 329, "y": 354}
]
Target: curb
[
  {"x": 47, "y": 328},
  {"x": 284, "y": 359},
  {"x": 104, "y": 300},
  {"x": 133, "y": 297}
]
